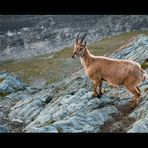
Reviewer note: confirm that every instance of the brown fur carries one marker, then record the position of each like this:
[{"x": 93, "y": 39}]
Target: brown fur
[{"x": 116, "y": 72}]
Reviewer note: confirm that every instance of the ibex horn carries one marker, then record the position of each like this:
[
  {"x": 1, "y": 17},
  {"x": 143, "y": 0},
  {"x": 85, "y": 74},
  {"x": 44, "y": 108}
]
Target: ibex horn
[
  {"x": 77, "y": 38},
  {"x": 82, "y": 39}
]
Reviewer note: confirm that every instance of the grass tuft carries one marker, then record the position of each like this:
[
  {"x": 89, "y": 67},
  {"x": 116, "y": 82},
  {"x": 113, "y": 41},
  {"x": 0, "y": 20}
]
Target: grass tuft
[
  {"x": 2, "y": 79},
  {"x": 144, "y": 65},
  {"x": 3, "y": 94}
]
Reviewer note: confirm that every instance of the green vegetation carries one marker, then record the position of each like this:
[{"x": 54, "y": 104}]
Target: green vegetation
[
  {"x": 2, "y": 79},
  {"x": 110, "y": 44},
  {"x": 50, "y": 122},
  {"x": 49, "y": 69},
  {"x": 3, "y": 94},
  {"x": 61, "y": 65},
  {"x": 144, "y": 65},
  {"x": 6, "y": 62},
  {"x": 65, "y": 53},
  {"x": 60, "y": 130},
  {"x": 145, "y": 32},
  {"x": 146, "y": 89}
]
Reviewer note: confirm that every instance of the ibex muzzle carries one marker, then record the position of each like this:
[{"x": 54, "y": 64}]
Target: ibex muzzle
[{"x": 73, "y": 56}]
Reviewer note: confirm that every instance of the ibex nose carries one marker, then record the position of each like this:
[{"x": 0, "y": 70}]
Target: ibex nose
[{"x": 73, "y": 55}]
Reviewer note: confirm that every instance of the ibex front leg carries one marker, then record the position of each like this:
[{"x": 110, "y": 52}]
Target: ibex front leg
[{"x": 95, "y": 93}]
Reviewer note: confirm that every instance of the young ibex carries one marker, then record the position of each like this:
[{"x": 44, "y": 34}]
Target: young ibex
[{"x": 116, "y": 72}]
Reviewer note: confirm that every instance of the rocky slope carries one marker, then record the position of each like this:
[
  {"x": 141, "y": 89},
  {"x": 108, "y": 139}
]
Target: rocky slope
[
  {"x": 67, "y": 106},
  {"x": 26, "y": 36}
]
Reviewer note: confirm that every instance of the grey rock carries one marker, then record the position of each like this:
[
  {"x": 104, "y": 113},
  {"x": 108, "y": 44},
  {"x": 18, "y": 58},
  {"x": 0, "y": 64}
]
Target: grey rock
[
  {"x": 10, "y": 83},
  {"x": 139, "y": 53},
  {"x": 17, "y": 121},
  {"x": 32, "y": 90},
  {"x": 93, "y": 104},
  {"x": 46, "y": 129},
  {"x": 3, "y": 129},
  {"x": 141, "y": 126},
  {"x": 47, "y": 99},
  {"x": 2, "y": 115},
  {"x": 91, "y": 122},
  {"x": 39, "y": 83},
  {"x": 24, "y": 111}
]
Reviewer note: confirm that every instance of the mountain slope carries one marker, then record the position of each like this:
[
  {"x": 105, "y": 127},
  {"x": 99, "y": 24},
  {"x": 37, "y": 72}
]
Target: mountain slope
[
  {"x": 29, "y": 36},
  {"x": 67, "y": 106}
]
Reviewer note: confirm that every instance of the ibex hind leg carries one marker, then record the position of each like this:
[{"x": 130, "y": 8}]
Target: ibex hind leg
[
  {"x": 100, "y": 89},
  {"x": 135, "y": 91},
  {"x": 138, "y": 89}
]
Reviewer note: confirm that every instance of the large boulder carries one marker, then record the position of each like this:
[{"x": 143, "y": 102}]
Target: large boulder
[{"x": 10, "y": 83}]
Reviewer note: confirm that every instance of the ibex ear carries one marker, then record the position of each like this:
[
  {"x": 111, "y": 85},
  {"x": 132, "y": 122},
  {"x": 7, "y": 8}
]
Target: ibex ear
[{"x": 84, "y": 43}]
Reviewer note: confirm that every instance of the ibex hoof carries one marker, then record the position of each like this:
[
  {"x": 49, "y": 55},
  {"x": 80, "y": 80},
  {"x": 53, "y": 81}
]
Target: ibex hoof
[
  {"x": 99, "y": 96},
  {"x": 96, "y": 95},
  {"x": 133, "y": 104}
]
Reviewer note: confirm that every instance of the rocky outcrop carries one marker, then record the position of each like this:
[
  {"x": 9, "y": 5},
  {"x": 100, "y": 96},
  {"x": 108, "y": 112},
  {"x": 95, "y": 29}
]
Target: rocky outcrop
[
  {"x": 12, "y": 90},
  {"x": 67, "y": 106},
  {"x": 10, "y": 83},
  {"x": 28, "y": 36}
]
